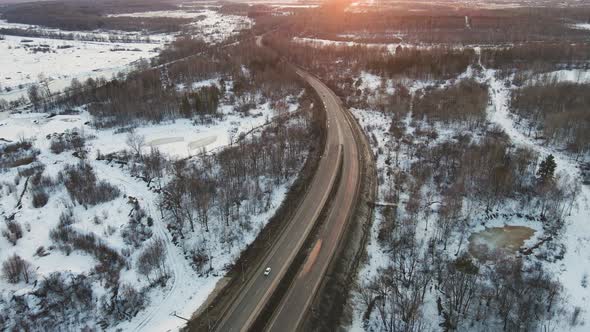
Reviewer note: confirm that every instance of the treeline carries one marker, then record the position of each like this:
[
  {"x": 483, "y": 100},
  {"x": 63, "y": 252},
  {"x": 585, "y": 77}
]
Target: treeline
[
  {"x": 538, "y": 56},
  {"x": 433, "y": 63},
  {"x": 507, "y": 295},
  {"x": 436, "y": 23},
  {"x": 558, "y": 111},
  {"x": 152, "y": 94},
  {"x": 203, "y": 101},
  {"x": 90, "y": 15},
  {"x": 111, "y": 38},
  {"x": 464, "y": 102},
  {"x": 420, "y": 63},
  {"x": 146, "y": 94}
]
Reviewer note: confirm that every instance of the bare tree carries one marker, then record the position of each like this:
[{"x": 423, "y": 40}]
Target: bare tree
[
  {"x": 153, "y": 260},
  {"x": 135, "y": 142},
  {"x": 35, "y": 95},
  {"x": 13, "y": 231},
  {"x": 15, "y": 269}
]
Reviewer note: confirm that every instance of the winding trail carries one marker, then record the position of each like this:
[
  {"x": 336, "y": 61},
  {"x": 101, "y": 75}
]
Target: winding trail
[
  {"x": 576, "y": 262},
  {"x": 158, "y": 315}
]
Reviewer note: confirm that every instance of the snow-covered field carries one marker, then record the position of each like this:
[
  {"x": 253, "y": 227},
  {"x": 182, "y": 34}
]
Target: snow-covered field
[
  {"x": 177, "y": 139},
  {"x": 96, "y": 34},
  {"x": 184, "y": 292},
  {"x": 208, "y": 24},
  {"x": 23, "y": 60}
]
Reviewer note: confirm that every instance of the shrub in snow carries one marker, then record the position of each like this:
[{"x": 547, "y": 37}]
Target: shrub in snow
[
  {"x": 34, "y": 169},
  {"x": 40, "y": 198},
  {"x": 39, "y": 181},
  {"x": 17, "y": 154},
  {"x": 62, "y": 299},
  {"x": 123, "y": 304},
  {"x": 57, "y": 145},
  {"x": 67, "y": 141},
  {"x": 110, "y": 230},
  {"x": 110, "y": 261},
  {"x": 13, "y": 231},
  {"x": 135, "y": 233},
  {"x": 200, "y": 258},
  {"x": 83, "y": 187},
  {"x": 7, "y": 188},
  {"x": 67, "y": 218},
  {"x": 40, "y": 252},
  {"x": 16, "y": 269},
  {"x": 152, "y": 260}
]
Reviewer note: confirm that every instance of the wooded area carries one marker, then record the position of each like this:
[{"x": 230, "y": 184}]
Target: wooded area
[
  {"x": 558, "y": 112},
  {"x": 435, "y": 23},
  {"x": 91, "y": 15}
]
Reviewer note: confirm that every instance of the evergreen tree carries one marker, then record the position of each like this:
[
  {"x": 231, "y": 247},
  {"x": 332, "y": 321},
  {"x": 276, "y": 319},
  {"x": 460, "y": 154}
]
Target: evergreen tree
[
  {"x": 547, "y": 169},
  {"x": 185, "y": 107},
  {"x": 197, "y": 102}
]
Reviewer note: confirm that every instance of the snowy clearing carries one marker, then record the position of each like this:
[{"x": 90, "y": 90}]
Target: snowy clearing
[
  {"x": 581, "y": 26},
  {"x": 208, "y": 24},
  {"x": 23, "y": 60},
  {"x": 571, "y": 75},
  {"x": 178, "y": 139},
  {"x": 325, "y": 43},
  {"x": 98, "y": 35}
]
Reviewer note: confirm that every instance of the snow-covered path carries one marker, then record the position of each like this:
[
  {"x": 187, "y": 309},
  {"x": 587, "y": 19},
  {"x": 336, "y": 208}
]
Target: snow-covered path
[
  {"x": 575, "y": 265},
  {"x": 185, "y": 290}
]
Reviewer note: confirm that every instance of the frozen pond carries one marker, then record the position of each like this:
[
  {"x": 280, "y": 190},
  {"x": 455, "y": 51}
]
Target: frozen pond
[{"x": 496, "y": 241}]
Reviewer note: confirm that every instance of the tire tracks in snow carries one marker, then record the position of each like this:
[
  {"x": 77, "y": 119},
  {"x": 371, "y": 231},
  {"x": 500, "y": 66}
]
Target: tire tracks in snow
[{"x": 177, "y": 277}]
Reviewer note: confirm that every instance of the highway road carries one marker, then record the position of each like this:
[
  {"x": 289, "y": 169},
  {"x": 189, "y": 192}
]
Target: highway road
[
  {"x": 291, "y": 311},
  {"x": 341, "y": 150}
]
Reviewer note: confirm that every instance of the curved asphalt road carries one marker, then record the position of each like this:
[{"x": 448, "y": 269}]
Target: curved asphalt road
[
  {"x": 291, "y": 311},
  {"x": 340, "y": 146}
]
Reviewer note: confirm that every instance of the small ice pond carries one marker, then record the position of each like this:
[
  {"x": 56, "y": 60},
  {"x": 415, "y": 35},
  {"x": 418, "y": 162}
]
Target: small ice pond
[{"x": 498, "y": 241}]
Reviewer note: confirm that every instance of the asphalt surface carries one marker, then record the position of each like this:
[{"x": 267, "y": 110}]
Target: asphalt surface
[
  {"x": 340, "y": 146},
  {"x": 291, "y": 311}
]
